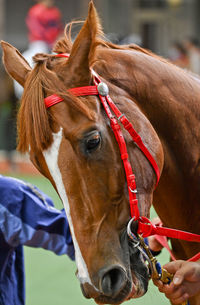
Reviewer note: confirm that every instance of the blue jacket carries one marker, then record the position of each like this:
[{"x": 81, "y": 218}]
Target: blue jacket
[{"x": 27, "y": 217}]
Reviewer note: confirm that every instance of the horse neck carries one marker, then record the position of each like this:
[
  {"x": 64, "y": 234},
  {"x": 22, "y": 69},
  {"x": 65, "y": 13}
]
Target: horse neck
[{"x": 170, "y": 98}]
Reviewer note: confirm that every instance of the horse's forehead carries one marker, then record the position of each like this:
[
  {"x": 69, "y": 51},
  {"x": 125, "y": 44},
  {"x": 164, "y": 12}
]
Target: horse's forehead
[{"x": 75, "y": 123}]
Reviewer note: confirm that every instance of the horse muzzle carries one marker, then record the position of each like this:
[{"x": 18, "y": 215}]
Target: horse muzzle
[
  {"x": 113, "y": 286},
  {"x": 116, "y": 282}
]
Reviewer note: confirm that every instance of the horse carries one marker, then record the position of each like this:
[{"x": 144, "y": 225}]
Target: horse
[{"x": 72, "y": 144}]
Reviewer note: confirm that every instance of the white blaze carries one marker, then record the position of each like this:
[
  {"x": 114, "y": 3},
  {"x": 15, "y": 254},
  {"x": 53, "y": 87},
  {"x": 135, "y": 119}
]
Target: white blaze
[{"x": 51, "y": 158}]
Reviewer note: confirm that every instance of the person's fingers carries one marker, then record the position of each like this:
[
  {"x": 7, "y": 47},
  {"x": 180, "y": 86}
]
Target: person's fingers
[
  {"x": 167, "y": 289},
  {"x": 181, "y": 271},
  {"x": 181, "y": 299},
  {"x": 175, "y": 293},
  {"x": 158, "y": 283},
  {"x": 172, "y": 291},
  {"x": 188, "y": 271},
  {"x": 172, "y": 267}
]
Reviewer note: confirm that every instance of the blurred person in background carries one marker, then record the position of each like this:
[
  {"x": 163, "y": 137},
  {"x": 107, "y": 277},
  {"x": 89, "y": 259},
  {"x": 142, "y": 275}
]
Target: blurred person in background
[
  {"x": 178, "y": 55},
  {"x": 8, "y": 105},
  {"x": 27, "y": 217},
  {"x": 193, "y": 50},
  {"x": 44, "y": 26},
  {"x": 10, "y": 133}
]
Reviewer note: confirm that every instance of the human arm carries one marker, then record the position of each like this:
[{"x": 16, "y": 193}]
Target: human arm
[{"x": 29, "y": 218}]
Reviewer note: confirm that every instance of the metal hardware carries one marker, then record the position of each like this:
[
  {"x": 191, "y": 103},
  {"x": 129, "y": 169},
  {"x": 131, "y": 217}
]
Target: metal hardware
[
  {"x": 133, "y": 237},
  {"x": 119, "y": 118},
  {"x": 133, "y": 191},
  {"x": 166, "y": 277},
  {"x": 103, "y": 89}
]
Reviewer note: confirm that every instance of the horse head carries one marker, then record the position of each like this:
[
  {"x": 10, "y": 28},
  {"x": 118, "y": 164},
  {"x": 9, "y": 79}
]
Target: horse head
[{"x": 73, "y": 145}]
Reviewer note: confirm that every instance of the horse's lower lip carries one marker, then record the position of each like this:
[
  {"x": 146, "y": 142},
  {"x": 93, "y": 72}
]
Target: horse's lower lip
[{"x": 136, "y": 292}]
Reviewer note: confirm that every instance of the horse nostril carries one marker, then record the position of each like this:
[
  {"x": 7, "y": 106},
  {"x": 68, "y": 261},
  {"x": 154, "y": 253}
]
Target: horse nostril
[{"x": 113, "y": 281}]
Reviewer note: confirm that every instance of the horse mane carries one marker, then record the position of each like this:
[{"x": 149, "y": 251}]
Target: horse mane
[{"x": 64, "y": 44}]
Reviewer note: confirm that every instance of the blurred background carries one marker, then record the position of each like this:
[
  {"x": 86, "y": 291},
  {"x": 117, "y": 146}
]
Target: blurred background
[{"x": 169, "y": 28}]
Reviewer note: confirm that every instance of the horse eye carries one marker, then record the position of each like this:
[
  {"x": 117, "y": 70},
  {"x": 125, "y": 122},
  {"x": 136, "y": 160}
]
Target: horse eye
[{"x": 93, "y": 141}]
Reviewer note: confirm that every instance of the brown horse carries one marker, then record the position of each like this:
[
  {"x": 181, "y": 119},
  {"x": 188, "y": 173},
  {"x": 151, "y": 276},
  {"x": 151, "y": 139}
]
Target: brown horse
[{"x": 72, "y": 144}]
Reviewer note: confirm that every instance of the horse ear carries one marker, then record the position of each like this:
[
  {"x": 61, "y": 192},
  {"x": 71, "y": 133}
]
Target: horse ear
[
  {"x": 83, "y": 49},
  {"x": 15, "y": 64}
]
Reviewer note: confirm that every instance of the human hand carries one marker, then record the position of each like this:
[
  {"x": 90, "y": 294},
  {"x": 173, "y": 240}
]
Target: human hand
[{"x": 186, "y": 281}]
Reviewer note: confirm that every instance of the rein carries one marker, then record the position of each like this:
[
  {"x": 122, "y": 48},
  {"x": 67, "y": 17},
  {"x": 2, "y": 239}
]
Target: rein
[{"x": 144, "y": 226}]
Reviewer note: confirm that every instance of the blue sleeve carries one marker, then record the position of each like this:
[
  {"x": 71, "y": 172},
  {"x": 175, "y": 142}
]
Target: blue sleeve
[{"x": 28, "y": 217}]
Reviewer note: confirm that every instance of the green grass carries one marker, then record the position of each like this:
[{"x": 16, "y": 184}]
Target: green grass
[{"x": 51, "y": 280}]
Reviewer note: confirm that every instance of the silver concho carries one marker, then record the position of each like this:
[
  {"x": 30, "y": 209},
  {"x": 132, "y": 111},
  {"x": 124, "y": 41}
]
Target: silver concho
[{"x": 103, "y": 89}]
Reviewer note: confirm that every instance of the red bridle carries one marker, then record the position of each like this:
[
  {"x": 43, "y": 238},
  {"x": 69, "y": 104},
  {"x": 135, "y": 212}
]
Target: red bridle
[{"x": 145, "y": 227}]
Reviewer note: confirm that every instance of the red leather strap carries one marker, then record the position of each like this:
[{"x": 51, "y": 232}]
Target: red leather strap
[
  {"x": 80, "y": 91},
  {"x": 146, "y": 228},
  {"x": 52, "y": 100},
  {"x": 66, "y": 55},
  {"x": 137, "y": 139},
  {"x": 83, "y": 91},
  {"x": 129, "y": 127},
  {"x": 195, "y": 258},
  {"x": 130, "y": 177},
  {"x": 164, "y": 242}
]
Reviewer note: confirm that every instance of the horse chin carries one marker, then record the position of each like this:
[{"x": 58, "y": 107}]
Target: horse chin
[{"x": 139, "y": 288}]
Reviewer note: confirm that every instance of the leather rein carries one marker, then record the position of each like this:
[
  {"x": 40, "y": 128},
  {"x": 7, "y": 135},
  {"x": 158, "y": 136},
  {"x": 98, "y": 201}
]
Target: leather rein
[{"x": 144, "y": 226}]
